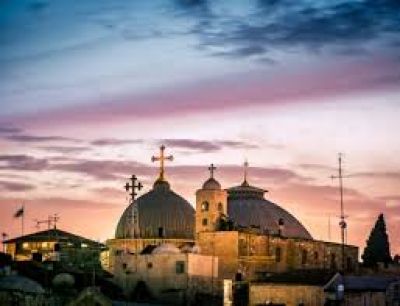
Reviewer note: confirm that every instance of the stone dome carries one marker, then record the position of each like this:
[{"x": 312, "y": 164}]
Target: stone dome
[
  {"x": 248, "y": 207},
  {"x": 166, "y": 248},
  {"x": 162, "y": 214},
  {"x": 212, "y": 184}
]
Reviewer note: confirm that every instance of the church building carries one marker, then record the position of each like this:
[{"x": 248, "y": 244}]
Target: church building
[{"x": 250, "y": 235}]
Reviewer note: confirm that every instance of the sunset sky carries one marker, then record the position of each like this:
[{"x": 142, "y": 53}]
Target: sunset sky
[{"x": 90, "y": 89}]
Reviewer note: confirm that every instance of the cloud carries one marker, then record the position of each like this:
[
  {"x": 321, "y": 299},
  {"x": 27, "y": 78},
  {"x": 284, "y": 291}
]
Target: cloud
[
  {"x": 338, "y": 25},
  {"x": 7, "y": 186},
  {"x": 64, "y": 149},
  {"x": 206, "y": 146},
  {"x": 32, "y": 138},
  {"x": 115, "y": 141},
  {"x": 110, "y": 192},
  {"x": 9, "y": 130},
  {"x": 102, "y": 169},
  {"x": 311, "y": 166},
  {"x": 395, "y": 175},
  {"x": 22, "y": 162},
  {"x": 37, "y": 6}
]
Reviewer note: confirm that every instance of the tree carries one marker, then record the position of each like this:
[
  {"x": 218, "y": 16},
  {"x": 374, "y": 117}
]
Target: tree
[{"x": 377, "y": 248}]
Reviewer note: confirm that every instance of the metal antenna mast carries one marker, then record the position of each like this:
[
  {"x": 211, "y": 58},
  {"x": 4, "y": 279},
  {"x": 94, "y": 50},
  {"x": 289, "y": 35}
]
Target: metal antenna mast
[
  {"x": 51, "y": 220},
  {"x": 132, "y": 186},
  {"x": 342, "y": 222}
]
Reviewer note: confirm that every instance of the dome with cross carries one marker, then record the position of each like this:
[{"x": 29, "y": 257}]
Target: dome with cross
[
  {"x": 247, "y": 207},
  {"x": 158, "y": 214}
]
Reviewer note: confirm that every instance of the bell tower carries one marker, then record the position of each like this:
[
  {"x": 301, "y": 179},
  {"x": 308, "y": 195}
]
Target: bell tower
[{"x": 211, "y": 204}]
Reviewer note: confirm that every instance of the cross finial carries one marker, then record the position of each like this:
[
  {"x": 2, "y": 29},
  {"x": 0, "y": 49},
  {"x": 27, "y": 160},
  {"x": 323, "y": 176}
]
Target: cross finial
[
  {"x": 245, "y": 169},
  {"x": 162, "y": 158},
  {"x": 133, "y": 186},
  {"x": 212, "y": 168}
]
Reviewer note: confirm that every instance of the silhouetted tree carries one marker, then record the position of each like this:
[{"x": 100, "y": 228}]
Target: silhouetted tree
[{"x": 377, "y": 248}]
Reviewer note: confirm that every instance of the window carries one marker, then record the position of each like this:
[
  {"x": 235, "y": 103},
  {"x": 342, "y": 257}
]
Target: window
[
  {"x": 333, "y": 261},
  {"x": 220, "y": 207},
  {"x": 304, "y": 257},
  {"x": 278, "y": 254},
  {"x": 316, "y": 256},
  {"x": 204, "y": 222},
  {"x": 349, "y": 263},
  {"x": 149, "y": 265},
  {"x": 205, "y": 206},
  {"x": 25, "y": 245},
  {"x": 160, "y": 232},
  {"x": 180, "y": 267}
]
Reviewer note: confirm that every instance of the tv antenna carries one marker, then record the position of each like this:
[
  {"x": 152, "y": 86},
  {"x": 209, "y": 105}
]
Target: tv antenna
[
  {"x": 342, "y": 223},
  {"x": 50, "y": 221}
]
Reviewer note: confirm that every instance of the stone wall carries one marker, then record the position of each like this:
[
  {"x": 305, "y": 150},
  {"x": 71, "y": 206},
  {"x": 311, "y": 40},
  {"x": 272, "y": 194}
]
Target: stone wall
[
  {"x": 289, "y": 295},
  {"x": 255, "y": 254},
  {"x": 133, "y": 246},
  {"x": 168, "y": 277},
  {"x": 223, "y": 245}
]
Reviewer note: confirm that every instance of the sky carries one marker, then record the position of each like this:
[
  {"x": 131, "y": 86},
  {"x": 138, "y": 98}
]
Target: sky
[{"x": 90, "y": 89}]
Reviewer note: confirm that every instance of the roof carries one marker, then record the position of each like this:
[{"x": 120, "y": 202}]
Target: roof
[
  {"x": 159, "y": 208},
  {"x": 20, "y": 283},
  {"x": 53, "y": 235},
  {"x": 211, "y": 184},
  {"x": 360, "y": 283},
  {"x": 299, "y": 277}
]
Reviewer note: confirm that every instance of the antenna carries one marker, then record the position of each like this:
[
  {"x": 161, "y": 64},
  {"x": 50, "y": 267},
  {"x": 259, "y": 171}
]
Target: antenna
[
  {"x": 50, "y": 221},
  {"x": 342, "y": 223}
]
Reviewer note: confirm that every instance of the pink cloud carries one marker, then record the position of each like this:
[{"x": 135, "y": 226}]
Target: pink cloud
[{"x": 233, "y": 93}]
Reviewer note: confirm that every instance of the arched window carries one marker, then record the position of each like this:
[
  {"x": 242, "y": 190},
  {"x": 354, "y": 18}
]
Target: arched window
[
  {"x": 278, "y": 254},
  {"x": 220, "y": 207},
  {"x": 303, "y": 257},
  {"x": 205, "y": 206}
]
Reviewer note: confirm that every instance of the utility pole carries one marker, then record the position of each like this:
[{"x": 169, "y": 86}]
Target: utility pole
[{"x": 342, "y": 223}]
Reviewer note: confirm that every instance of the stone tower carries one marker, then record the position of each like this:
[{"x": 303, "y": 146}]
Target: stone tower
[{"x": 211, "y": 204}]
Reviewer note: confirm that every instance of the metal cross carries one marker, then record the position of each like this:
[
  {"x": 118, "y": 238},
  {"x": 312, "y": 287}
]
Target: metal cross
[
  {"x": 212, "y": 168},
  {"x": 133, "y": 186},
  {"x": 162, "y": 158}
]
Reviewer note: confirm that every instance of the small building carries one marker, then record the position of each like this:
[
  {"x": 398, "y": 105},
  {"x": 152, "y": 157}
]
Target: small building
[
  {"x": 166, "y": 273},
  {"x": 315, "y": 288},
  {"x": 54, "y": 245}
]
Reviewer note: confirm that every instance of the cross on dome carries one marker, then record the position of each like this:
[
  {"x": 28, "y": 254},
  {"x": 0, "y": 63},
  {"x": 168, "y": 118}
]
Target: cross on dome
[
  {"x": 162, "y": 158},
  {"x": 212, "y": 168}
]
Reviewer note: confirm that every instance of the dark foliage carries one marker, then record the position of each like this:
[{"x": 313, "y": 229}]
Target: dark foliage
[{"x": 377, "y": 249}]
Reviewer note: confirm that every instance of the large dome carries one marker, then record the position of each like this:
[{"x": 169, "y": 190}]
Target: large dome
[
  {"x": 162, "y": 214},
  {"x": 247, "y": 207}
]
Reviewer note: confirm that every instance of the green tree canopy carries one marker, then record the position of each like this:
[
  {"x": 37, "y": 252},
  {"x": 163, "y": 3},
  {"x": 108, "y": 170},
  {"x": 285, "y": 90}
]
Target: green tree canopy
[{"x": 377, "y": 248}]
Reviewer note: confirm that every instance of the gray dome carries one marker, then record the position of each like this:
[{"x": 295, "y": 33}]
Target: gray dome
[
  {"x": 160, "y": 208},
  {"x": 20, "y": 283},
  {"x": 248, "y": 207},
  {"x": 212, "y": 184}
]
